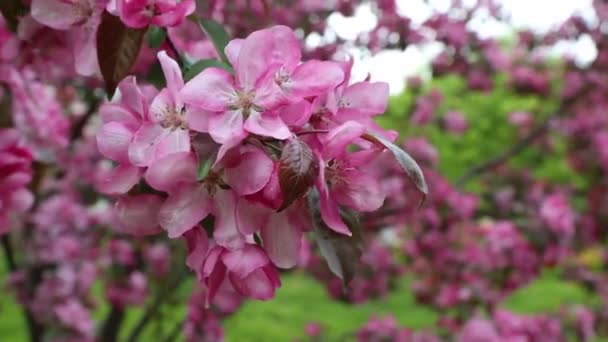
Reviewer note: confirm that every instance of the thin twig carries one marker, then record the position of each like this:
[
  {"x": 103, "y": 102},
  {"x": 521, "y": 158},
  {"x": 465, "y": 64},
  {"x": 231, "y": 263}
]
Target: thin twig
[
  {"x": 34, "y": 329},
  {"x": 155, "y": 306},
  {"x": 174, "y": 333},
  {"x": 509, "y": 153},
  {"x": 79, "y": 126},
  {"x": 111, "y": 325}
]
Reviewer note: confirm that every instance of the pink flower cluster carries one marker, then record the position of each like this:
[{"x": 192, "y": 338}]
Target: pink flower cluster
[
  {"x": 15, "y": 175},
  {"x": 213, "y": 150}
]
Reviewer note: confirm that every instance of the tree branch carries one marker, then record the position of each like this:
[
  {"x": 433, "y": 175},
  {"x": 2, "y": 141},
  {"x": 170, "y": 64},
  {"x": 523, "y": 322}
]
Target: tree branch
[
  {"x": 111, "y": 325},
  {"x": 156, "y": 304},
  {"x": 34, "y": 329},
  {"x": 509, "y": 153},
  {"x": 79, "y": 126}
]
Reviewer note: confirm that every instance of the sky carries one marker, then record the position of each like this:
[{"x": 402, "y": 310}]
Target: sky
[{"x": 395, "y": 66}]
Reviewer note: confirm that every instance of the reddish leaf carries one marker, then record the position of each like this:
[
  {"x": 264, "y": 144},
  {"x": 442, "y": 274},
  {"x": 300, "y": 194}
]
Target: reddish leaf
[
  {"x": 341, "y": 252},
  {"x": 407, "y": 163},
  {"x": 117, "y": 49},
  {"x": 297, "y": 171}
]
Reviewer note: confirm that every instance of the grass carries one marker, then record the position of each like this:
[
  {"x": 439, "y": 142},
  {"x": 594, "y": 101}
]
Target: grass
[{"x": 302, "y": 300}]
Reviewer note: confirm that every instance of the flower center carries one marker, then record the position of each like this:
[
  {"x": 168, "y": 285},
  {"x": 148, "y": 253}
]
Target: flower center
[
  {"x": 244, "y": 102},
  {"x": 174, "y": 119}
]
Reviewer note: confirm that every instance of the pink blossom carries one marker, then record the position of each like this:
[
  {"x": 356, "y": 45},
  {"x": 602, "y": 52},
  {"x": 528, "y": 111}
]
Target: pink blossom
[
  {"x": 81, "y": 18},
  {"x": 141, "y": 13},
  {"x": 248, "y": 269},
  {"x": 455, "y": 122},
  {"x": 15, "y": 174},
  {"x": 268, "y": 75},
  {"x": 555, "y": 210},
  {"x": 340, "y": 181}
]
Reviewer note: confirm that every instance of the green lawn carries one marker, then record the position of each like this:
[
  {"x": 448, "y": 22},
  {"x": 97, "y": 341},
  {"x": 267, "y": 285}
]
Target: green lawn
[{"x": 301, "y": 300}]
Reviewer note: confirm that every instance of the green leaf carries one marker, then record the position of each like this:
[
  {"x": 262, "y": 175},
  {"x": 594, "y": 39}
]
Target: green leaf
[
  {"x": 203, "y": 169},
  {"x": 203, "y": 64},
  {"x": 155, "y": 36},
  {"x": 216, "y": 33}
]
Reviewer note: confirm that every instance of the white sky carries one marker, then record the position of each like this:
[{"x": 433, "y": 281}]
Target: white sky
[{"x": 395, "y": 66}]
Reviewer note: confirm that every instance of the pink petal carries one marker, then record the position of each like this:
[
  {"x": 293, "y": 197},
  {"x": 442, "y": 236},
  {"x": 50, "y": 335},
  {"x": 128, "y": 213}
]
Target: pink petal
[
  {"x": 214, "y": 271},
  {"x": 368, "y": 97},
  {"x": 114, "y": 112},
  {"x": 297, "y": 114},
  {"x": 198, "y": 119},
  {"x": 160, "y": 106},
  {"x": 168, "y": 172},
  {"x": 359, "y": 191},
  {"x": 257, "y": 285},
  {"x": 184, "y": 209},
  {"x": 336, "y": 141},
  {"x": 256, "y": 165},
  {"x": 173, "y": 141},
  {"x": 142, "y": 150},
  {"x": 226, "y": 126},
  {"x": 136, "y": 215},
  {"x": 281, "y": 241},
  {"x": 113, "y": 140},
  {"x": 314, "y": 78},
  {"x": 173, "y": 75},
  {"x": 245, "y": 260},
  {"x": 226, "y": 231},
  {"x": 233, "y": 49},
  {"x": 250, "y": 218},
  {"x": 268, "y": 125},
  {"x": 328, "y": 207},
  {"x": 265, "y": 49},
  {"x": 175, "y": 16},
  {"x": 56, "y": 14},
  {"x": 212, "y": 89},
  {"x": 85, "y": 48},
  {"x": 198, "y": 246},
  {"x": 131, "y": 96},
  {"x": 119, "y": 180}
]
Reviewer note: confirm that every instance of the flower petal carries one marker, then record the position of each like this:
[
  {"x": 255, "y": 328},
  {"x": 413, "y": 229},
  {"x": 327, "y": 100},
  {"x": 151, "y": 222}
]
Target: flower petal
[
  {"x": 198, "y": 119},
  {"x": 268, "y": 125},
  {"x": 226, "y": 126},
  {"x": 281, "y": 241},
  {"x": 245, "y": 260},
  {"x": 141, "y": 150},
  {"x": 136, "y": 215},
  {"x": 328, "y": 207},
  {"x": 168, "y": 172},
  {"x": 233, "y": 49},
  {"x": 336, "y": 141},
  {"x": 113, "y": 140},
  {"x": 359, "y": 191},
  {"x": 256, "y": 165},
  {"x": 197, "y": 243},
  {"x": 173, "y": 76},
  {"x": 226, "y": 232},
  {"x": 212, "y": 89},
  {"x": 119, "y": 180},
  {"x": 368, "y": 97},
  {"x": 57, "y": 14},
  {"x": 263, "y": 50},
  {"x": 184, "y": 209},
  {"x": 313, "y": 78}
]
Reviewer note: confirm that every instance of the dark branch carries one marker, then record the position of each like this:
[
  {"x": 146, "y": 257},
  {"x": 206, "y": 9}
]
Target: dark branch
[
  {"x": 79, "y": 126},
  {"x": 152, "y": 309},
  {"x": 34, "y": 329},
  {"x": 509, "y": 153},
  {"x": 111, "y": 325}
]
